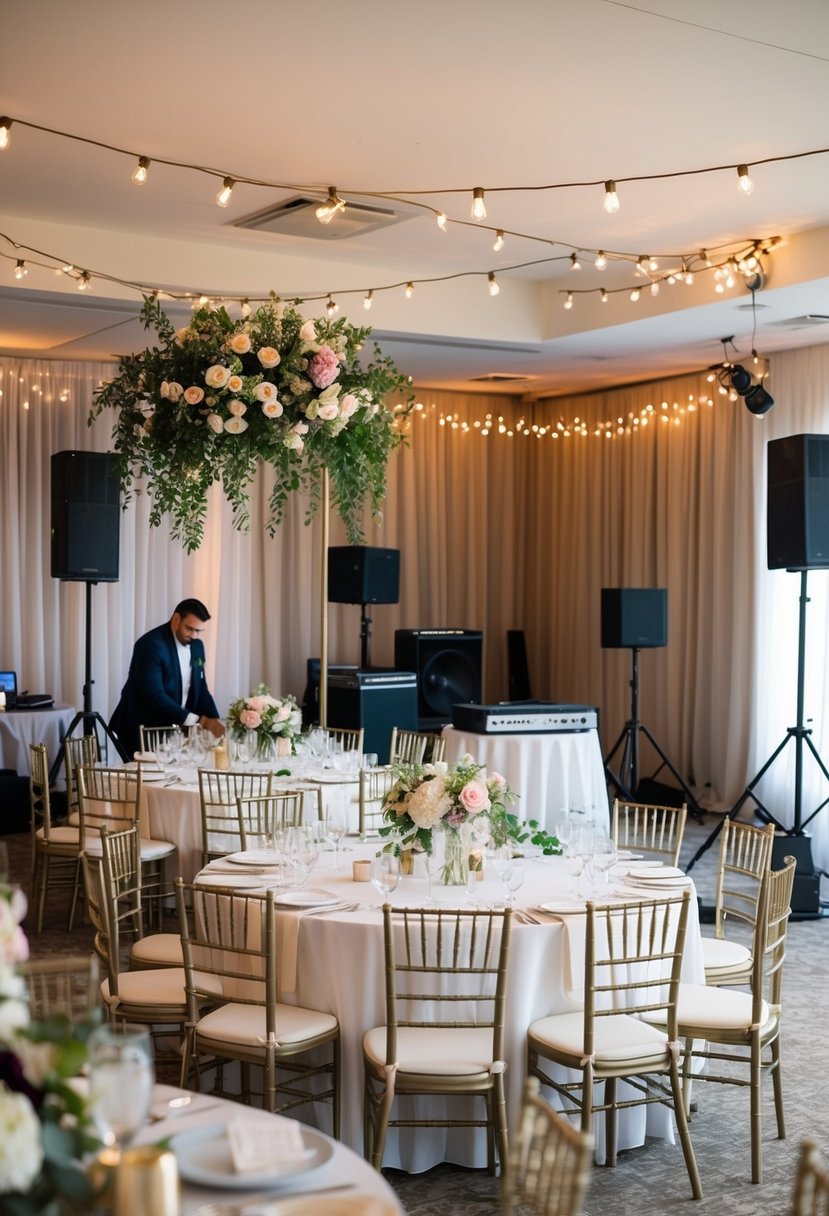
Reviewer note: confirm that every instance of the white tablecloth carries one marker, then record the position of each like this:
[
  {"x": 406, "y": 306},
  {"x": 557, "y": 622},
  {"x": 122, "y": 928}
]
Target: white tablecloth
[
  {"x": 550, "y": 773},
  {"x": 340, "y": 970},
  {"x": 19, "y": 728},
  {"x": 345, "y": 1168}
]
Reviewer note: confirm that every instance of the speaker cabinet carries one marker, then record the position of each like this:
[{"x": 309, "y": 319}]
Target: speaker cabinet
[
  {"x": 517, "y": 669},
  {"x": 634, "y": 617},
  {"x": 375, "y": 700},
  {"x": 85, "y": 517},
  {"x": 311, "y": 697},
  {"x": 798, "y": 502},
  {"x": 448, "y": 665},
  {"x": 361, "y": 574}
]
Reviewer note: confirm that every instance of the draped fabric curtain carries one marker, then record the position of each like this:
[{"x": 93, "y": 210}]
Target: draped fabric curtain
[{"x": 496, "y": 531}]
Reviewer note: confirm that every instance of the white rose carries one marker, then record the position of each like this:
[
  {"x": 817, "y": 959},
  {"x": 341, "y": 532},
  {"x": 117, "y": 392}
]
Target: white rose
[
  {"x": 272, "y": 409},
  {"x": 235, "y": 384},
  {"x": 237, "y": 408},
  {"x": 308, "y": 332},
  {"x": 293, "y": 441},
  {"x": 239, "y": 344},
  {"x": 164, "y": 390},
  {"x": 235, "y": 426},
  {"x": 215, "y": 423},
  {"x": 21, "y": 1148},
  {"x": 348, "y": 405},
  {"x": 268, "y": 356},
  {"x": 328, "y": 412},
  {"x": 193, "y": 395},
  {"x": 175, "y": 391},
  {"x": 182, "y": 335},
  {"x": 265, "y": 391},
  {"x": 301, "y": 428},
  {"x": 217, "y": 376},
  {"x": 311, "y": 410}
]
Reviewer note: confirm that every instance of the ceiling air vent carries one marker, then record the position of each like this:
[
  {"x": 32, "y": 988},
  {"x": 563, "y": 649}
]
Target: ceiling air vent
[
  {"x": 808, "y": 321},
  {"x": 500, "y": 378},
  {"x": 297, "y": 217}
]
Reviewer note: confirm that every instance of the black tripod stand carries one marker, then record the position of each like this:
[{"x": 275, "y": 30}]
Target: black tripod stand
[
  {"x": 801, "y": 734},
  {"x": 627, "y": 780},
  {"x": 90, "y": 719}
]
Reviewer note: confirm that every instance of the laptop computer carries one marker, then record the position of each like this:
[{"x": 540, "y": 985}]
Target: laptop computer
[{"x": 26, "y": 700}]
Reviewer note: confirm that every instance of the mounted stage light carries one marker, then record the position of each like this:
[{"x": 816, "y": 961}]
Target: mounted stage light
[
  {"x": 758, "y": 401},
  {"x": 740, "y": 379}
]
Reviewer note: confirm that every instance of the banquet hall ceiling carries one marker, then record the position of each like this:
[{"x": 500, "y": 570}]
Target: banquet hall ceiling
[{"x": 423, "y": 102}]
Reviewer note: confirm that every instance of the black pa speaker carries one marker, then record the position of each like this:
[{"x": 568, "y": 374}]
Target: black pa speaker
[
  {"x": 634, "y": 617},
  {"x": 375, "y": 700},
  {"x": 517, "y": 668},
  {"x": 311, "y": 696},
  {"x": 798, "y": 502},
  {"x": 363, "y": 574},
  {"x": 85, "y": 517},
  {"x": 447, "y": 663}
]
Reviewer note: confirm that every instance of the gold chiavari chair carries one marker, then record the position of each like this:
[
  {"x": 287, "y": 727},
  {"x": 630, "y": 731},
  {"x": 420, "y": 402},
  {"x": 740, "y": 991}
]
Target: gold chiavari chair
[
  {"x": 64, "y": 987},
  {"x": 77, "y": 751},
  {"x": 229, "y": 943},
  {"x": 549, "y": 1162},
  {"x": 120, "y": 852},
  {"x": 632, "y": 961},
  {"x": 811, "y": 1188},
  {"x": 415, "y": 747},
  {"x": 656, "y": 831},
  {"x": 262, "y": 816},
  {"x": 150, "y": 736},
  {"x": 219, "y": 790},
  {"x": 444, "y": 1029},
  {"x": 55, "y": 848},
  {"x": 375, "y": 783},
  {"x": 346, "y": 740},
  {"x": 744, "y": 861}
]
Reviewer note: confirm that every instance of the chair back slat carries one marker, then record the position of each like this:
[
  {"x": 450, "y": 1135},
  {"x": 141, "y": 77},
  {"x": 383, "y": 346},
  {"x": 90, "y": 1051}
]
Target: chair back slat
[
  {"x": 811, "y": 1188},
  {"x": 219, "y": 792},
  {"x": 77, "y": 751},
  {"x": 261, "y": 816},
  {"x": 150, "y": 736},
  {"x": 657, "y": 831},
  {"x": 375, "y": 783},
  {"x": 744, "y": 860},
  {"x": 65, "y": 987},
  {"x": 549, "y": 1162},
  {"x": 228, "y": 943},
  {"x": 41, "y": 806},
  {"x": 107, "y": 797},
  {"x": 769, "y": 952},
  {"x": 415, "y": 747}
]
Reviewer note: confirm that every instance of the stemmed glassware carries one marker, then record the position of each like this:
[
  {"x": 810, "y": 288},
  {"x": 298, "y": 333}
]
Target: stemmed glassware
[
  {"x": 121, "y": 1080},
  {"x": 335, "y": 825},
  {"x": 510, "y": 870},
  {"x": 304, "y": 846},
  {"x": 604, "y": 859},
  {"x": 385, "y": 873},
  {"x": 245, "y": 748}
]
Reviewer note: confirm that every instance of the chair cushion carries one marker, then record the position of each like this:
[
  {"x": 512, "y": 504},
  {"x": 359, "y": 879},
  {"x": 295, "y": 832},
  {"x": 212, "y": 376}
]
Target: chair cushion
[
  {"x": 158, "y": 950},
  {"x": 61, "y": 835},
  {"x": 162, "y": 989},
  {"x": 708, "y": 1009},
  {"x": 434, "y": 1051},
  {"x": 151, "y": 850},
  {"x": 718, "y": 952},
  {"x": 618, "y": 1038},
  {"x": 245, "y": 1025}
]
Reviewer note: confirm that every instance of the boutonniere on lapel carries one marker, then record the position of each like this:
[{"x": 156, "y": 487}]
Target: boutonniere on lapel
[{"x": 199, "y": 662}]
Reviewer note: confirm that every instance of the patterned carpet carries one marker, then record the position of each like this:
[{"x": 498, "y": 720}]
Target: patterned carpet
[{"x": 652, "y": 1179}]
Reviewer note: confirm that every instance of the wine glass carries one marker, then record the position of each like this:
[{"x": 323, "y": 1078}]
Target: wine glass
[
  {"x": 305, "y": 851},
  {"x": 245, "y": 747},
  {"x": 385, "y": 873},
  {"x": 369, "y": 759},
  {"x": 604, "y": 858},
  {"x": 510, "y": 870},
  {"x": 335, "y": 825},
  {"x": 121, "y": 1081},
  {"x": 165, "y": 755}
]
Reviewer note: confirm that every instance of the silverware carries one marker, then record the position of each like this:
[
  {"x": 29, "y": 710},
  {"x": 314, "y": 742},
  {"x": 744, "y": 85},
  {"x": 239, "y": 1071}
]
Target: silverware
[{"x": 176, "y": 1113}]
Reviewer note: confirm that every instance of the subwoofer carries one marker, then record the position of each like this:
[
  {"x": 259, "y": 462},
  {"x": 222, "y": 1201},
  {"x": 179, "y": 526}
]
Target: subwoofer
[
  {"x": 634, "y": 617},
  {"x": 85, "y": 517},
  {"x": 798, "y": 502},
  {"x": 448, "y": 665},
  {"x": 363, "y": 574}
]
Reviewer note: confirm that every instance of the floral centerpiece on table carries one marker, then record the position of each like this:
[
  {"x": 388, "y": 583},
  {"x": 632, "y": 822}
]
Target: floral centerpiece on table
[
  {"x": 220, "y": 395},
  {"x": 44, "y": 1126},
  {"x": 270, "y": 717}
]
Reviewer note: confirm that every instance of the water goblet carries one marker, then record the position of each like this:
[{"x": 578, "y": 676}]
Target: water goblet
[
  {"x": 245, "y": 748},
  {"x": 604, "y": 858},
  {"x": 385, "y": 873},
  {"x": 369, "y": 759},
  {"x": 305, "y": 850},
  {"x": 121, "y": 1081},
  {"x": 510, "y": 870},
  {"x": 165, "y": 756},
  {"x": 335, "y": 828}
]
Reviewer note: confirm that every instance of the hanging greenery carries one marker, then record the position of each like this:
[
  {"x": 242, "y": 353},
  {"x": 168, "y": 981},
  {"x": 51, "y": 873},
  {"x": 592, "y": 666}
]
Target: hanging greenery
[{"x": 214, "y": 399}]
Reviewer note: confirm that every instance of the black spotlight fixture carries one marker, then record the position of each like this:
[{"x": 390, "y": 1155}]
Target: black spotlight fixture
[
  {"x": 741, "y": 380},
  {"x": 758, "y": 401}
]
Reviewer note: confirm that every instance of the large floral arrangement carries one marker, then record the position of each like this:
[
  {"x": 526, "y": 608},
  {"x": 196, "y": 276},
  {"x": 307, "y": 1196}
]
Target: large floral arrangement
[
  {"x": 270, "y": 717},
  {"x": 43, "y": 1120},
  {"x": 220, "y": 395}
]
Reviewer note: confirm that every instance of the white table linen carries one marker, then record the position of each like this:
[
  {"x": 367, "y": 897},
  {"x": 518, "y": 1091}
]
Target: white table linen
[
  {"x": 340, "y": 970},
  {"x": 20, "y": 728},
  {"x": 549, "y": 772}
]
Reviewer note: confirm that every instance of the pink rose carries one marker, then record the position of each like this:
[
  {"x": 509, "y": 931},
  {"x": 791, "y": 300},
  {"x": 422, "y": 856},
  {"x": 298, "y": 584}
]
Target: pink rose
[
  {"x": 324, "y": 367},
  {"x": 283, "y": 714},
  {"x": 250, "y": 718},
  {"x": 474, "y": 797},
  {"x": 498, "y": 780},
  {"x": 328, "y": 412},
  {"x": 301, "y": 428},
  {"x": 237, "y": 408},
  {"x": 193, "y": 395},
  {"x": 256, "y": 703},
  {"x": 215, "y": 423},
  {"x": 348, "y": 405}
]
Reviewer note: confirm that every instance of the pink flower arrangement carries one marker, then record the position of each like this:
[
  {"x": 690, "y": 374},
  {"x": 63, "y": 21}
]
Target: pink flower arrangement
[
  {"x": 271, "y": 717},
  {"x": 324, "y": 367}
]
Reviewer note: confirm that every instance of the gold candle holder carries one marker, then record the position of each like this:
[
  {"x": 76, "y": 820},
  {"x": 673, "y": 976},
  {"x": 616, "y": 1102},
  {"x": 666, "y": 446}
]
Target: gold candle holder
[{"x": 146, "y": 1181}]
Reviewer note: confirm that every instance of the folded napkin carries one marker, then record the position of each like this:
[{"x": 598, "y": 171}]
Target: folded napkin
[
  {"x": 255, "y": 1149},
  {"x": 145, "y": 757}
]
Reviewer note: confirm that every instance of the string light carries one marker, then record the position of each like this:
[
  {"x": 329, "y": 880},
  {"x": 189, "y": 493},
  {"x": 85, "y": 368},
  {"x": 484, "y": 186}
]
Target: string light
[
  {"x": 441, "y": 220},
  {"x": 744, "y": 182},
  {"x": 367, "y": 298},
  {"x": 84, "y": 281},
  {"x": 601, "y": 260},
  {"x": 409, "y": 290},
  {"x": 568, "y": 300},
  {"x": 499, "y": 241},
  {"x": 139, "y": 173},
  {"x": 575, "y": 264},
  {"x": 5, "y": 132},
  {"x": 331, "y": 307},
  {"x": 245, "y": 309},
  {"x": 634, "y": 295},
  {"x": 603, "y": 295},
  {"x": 654, "y": 289},
  {"x": 224, "y": 195},
  {"x": 494, "y": 287},
  {"x": 478, "y": 205},
  {"x": 20, "y": 270},
  {"x": 332, "y": 206},
  {"x": 611, "y": 198}
]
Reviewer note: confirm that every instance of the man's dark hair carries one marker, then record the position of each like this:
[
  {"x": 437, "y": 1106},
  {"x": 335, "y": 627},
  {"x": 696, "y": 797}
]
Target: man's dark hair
[{"x": 192, "y": 608}]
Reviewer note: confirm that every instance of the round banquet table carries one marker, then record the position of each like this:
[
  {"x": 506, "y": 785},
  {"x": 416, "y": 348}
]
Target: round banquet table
[
  {"x": 344, "y": 1169},
  {"x": 550, "y": 773},
  {"x": 20, "y": 727},
  {"x": 336, "y": 965}
]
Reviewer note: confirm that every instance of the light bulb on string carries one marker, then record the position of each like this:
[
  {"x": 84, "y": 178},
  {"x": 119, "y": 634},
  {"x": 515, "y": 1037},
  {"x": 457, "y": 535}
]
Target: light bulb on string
[
  {"x": 498, "y": 244},
  {"x": 441, "y": 220},
  {"x": 224, "y": 195},
  {"x": 603, "y": 295},
  {"x": 331, "y": 307},
  {"x": 494, "y": 287},
  {"x": 654, "y": 289},
  {"x": 575, "y": 264},
  {"x": 478, "y": 205},
  {"x": 642, "y": 265},
  {"x": 245, "y": 310},
  {"x": 84, "y": 281},
  {"x": 367, "y": 298},
  {"x": 139, "y": 173},
  {"x": 703, "y": 256},
  {"x": 634, "y": 295},
  {"x": 568, "y": 300},
  {"x": 611, "y": 198},
  {"x": 601, "y": 260},
  {"x": 744, "y": 183},
  {"x": 409, "y": 290},
  {"x": 5, "y": 132},
  {"x": 331, "y": 207},
  {"x": 653, "y": 265},
  {"x": 21, "y": 269}
]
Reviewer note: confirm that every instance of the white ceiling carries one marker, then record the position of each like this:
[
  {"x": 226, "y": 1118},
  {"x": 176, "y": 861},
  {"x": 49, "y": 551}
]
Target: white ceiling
[{"x": 399, "y": 98}]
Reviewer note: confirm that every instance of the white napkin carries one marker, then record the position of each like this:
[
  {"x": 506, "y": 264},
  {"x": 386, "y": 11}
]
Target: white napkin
[{"x": 257, "y": 1147}]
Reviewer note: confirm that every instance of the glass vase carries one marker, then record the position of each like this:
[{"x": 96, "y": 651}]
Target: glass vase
[{"x": 455, "y": 869}]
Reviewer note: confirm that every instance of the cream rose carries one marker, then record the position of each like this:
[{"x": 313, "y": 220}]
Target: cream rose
[
  {"x": 293, "y": 441},
  {"x": 215, "y": 423},
  {"x": 175, "y": 391},
  {"x": 308, "y": 332},
  {"x": 268, "y": 356},
  {"x": 272, "y": 409},
  {"x": 235, "y": 426},
  {"x": 301, "y": 428},
  {"x": 239, "y": 344},
  {"x": 265, "y": 391},
  {"x": 194, "y": 395},
  {"x": 328, "y": 412},
  {"x": 330, "y": 394},
  {"x": 237, "y": 408},
  {"x": 216, "y": 376},
  {"x": 429, "y": 803},
  {"x": 349, "y": 405},
  {"x": 235, "y": 384},
  {"x": 182, "y": 335}
]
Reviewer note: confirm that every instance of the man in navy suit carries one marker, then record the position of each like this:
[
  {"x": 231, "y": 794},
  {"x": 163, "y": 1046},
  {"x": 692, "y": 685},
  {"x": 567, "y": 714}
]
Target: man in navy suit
[{"x": 166, "y": 682}]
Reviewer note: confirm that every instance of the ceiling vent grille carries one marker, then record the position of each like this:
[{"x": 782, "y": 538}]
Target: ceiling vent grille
[
  {"x": 500, "y": 378},
  {"x": 808, "y": 321},
  {"x": 297, "y": 217}
]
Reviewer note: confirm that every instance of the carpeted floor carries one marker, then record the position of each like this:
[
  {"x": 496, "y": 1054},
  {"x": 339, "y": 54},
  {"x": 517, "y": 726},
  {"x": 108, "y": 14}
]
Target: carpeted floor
[{"x": 651, "y": 1179}]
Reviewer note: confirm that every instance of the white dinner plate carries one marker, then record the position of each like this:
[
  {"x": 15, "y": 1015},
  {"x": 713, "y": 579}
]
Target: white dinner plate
[
  {"x": 253, "y": 857},
  {"x": 307, "y": 899},
  {"x": 203, "y": 1156},
  {"x": 661, "y": 884},
  {"x": 153, "y": 774},
  {"x": 654, "y": 874},
  {"x": 240, "y": 882},
  {"x": 563, "y": 907}
]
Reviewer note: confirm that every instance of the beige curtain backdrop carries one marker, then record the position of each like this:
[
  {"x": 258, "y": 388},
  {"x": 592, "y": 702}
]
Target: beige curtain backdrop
[{"x": 496, "y": 532}]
